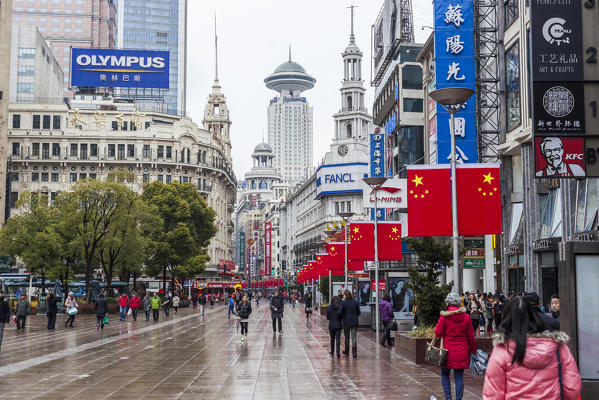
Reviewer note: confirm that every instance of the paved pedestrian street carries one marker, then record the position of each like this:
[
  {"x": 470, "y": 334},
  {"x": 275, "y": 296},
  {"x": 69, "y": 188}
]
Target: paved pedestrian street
[{"x": 190, "y": 356}]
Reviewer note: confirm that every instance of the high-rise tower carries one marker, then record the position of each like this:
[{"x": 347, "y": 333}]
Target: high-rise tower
[{"x": 290, "y": 120}]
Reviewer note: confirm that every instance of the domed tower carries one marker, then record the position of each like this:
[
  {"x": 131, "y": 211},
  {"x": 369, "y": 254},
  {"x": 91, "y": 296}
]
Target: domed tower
[
  {"x": 263, "y": 175},
  {"x": 290, "y": 120}
]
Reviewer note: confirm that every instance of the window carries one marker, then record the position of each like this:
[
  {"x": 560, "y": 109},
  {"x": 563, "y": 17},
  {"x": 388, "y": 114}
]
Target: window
[
  {"x": 26, "y": 52},
  {"x": 56, "y": 149},
  {"x": 83, "y": 151},
  {"x": 92, "y": 176},
  {"x": 52, "y": 198},
  {"x": 35, "y": 177},
  {"x": 115, "y": 126},
  {"x": 82, "y": 176},
  {"x": 121, "y": 149},
  {"x": 512, "y": 86},
  {"x": 14, "y": 176},
  {"x": 146, "y": 178},
  {"x": 24, "y": 88},
  {"x": 160, "y": 178},
  {"x": 45, "y": 151},
  {"x": 510, "y": 8},
  {"x": 73, "y": 177},
  {"x": 146, "y": 151},
  {"x": 54, "y": 177},
  {"x": 160, "y": 151},
  {"x": 517, "y": 183},
  {"x": 44, "y": 177},
  {"x": 35, "y": 149},
  {"x": 111, "y": 150},
  {"x": 56, "y": 122},
  {"x": 15, "y": 149},
  {"x": 168, "y": 179},
  {"x": 169, "y": 152},
  {"x": 36, "y": 122},
  {"x": 73, "y": 152},
  {"x": 412, "y": 105},
  {"x": 14, "y": 197},
  {"x": 16, "y": 121},
  {"x": 26, "y": 70},
  {"x": 411, "y": 77},
  {"x": 93, "y": 150},
  {"x": 46, "y": 122},
  {"x": 130, "y": 150}
]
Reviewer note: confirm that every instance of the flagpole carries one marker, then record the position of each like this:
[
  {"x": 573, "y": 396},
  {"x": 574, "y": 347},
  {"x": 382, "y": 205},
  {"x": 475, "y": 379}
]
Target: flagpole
[{"x": 346, "y": 216}]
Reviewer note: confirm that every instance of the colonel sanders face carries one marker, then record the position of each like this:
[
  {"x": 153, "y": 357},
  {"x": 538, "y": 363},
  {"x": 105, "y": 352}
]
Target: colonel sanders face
[{"x": 553, "y": 151}]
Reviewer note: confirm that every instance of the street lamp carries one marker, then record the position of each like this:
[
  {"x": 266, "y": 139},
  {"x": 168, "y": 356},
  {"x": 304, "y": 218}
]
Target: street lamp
[
  {"x": 330, "y": 234},
  {"x": 452, "y": 99},
  {"x": 375, "y": 183},
  {"x": 346, "y": 216}
]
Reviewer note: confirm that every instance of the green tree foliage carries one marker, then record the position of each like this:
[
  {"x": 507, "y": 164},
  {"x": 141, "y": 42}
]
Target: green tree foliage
[
  {"x": 424, "y": 280},
  {"x": 323, "y": 284},
  {"x": 187, "y": 227}
]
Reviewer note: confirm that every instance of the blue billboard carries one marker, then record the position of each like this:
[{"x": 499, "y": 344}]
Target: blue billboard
[
  {"x": 120, "y": 68},
  {"x": 455, "y": 67}
]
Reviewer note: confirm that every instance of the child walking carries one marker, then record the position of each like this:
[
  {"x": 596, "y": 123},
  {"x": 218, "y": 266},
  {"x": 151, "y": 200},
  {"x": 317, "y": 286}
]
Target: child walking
[{"x": 244, "y": 309}]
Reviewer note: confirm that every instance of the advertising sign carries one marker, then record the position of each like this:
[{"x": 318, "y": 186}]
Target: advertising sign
[
  {"x": 377, "y": 153},
  {"x": 559, "y": 107},
  {"x": 340, "y": 178},
  {"x": 455, "y": 67},
  {"x": 402, "y": 297},
  {"x": 474, "y": 257},
  {"x": 120, "y": 68},
  {"x": 557, "y": 156},
  {"x": 267, "y": 248},
  {"x": 242, "y": 248},
  {"x": 392, "y": 194}
]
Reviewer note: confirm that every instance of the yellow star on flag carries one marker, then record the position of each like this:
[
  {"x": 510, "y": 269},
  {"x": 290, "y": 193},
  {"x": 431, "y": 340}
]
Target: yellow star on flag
[
  {"x": 356, "y": 229},
  {"x": 488, "y": 178},
  {"x": 417, "y": 180},
  {"x": 394, "y": 230}
]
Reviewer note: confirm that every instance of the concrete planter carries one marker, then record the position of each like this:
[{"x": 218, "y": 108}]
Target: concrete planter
[
  {"x": 410, "y": 348},
  {"x": 323, "y": 310}
]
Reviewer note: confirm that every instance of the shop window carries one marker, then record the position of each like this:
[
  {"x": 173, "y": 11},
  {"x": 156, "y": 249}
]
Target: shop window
[{"x": 512, "y": 86}]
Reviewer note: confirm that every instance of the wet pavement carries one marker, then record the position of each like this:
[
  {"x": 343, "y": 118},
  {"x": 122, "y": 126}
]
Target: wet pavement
[{"x": 189, "y": 356}]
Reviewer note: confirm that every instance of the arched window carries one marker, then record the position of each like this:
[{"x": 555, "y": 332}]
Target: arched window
[
  {"x": 349, "y": 103},
  {"x": 348, "y": 131},
  {"x": 253, "y": 184},
  {"x": 188, "y": 156},
  {"x": 263, "y": 184},
  {"x": 216, "y": 109}
]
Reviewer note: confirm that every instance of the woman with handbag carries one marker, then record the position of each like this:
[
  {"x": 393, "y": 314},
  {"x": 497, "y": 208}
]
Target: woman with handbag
[
  {"x": 71, "y": 305},
  {"x": 386, "y": 312},
  {"x": 473, "y": 309},
  {"x": 308, "y": 304},
  {"x": 101, "y": 309},
  {"x": 528, "y": 361},
  {"x": 455, "y": 330}
]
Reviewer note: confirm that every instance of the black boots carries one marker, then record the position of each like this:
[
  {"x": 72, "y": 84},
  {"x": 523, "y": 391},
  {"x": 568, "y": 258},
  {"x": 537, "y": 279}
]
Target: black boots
[
  {"x": 354, "y": 351},
  {"x": 345, "y": 352}
]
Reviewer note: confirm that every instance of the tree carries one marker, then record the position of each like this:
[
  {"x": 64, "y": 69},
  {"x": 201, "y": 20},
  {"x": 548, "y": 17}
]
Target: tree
[
  {"x": 187, "y": 227},
  {"x": 33, "y": 236},
  {"x": 323, "y": 284},
  {"x": 424, "y": 280}
]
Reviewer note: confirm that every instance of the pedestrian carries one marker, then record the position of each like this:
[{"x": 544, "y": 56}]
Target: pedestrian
[
  {"x": 277, "y": 307},
  {"x": 535, "y": 301},
  {"x": 231, "y": 308},
  {"x": 71, "y": 305},
  {"x": 167, "y": 302},
  {"x": 211, "y": 300},
  {"x": 528, "y": 362},
  {"x": 348, "y": 313},
  {"x": 202, "y": 301},
  {"x": 244, "y": 309},
  {"x": 147, "y": 305},
  {"x": 52, "y": 302},
  {"x": 482, "y": 302},
  {"x": 456, "y": 332},
  {"x": 386, "y": 312},
  {"x": 4, "y": 314},
  {"x": 135, "y": 304},
  {"x": 308, "y": 305},
  {"x": 123, "y": 304},
  {"x": 340, "y": 294},
  {"x": 176, "y": 301},
  {"x": 101, "y": 308},
  {"x": 490, "y": 309},
  {"x": 335, "y": 325},
  {"x": 555, "y": 306},
  {"x": 194, "y": 300},
  {"x": 21, "y": 311},
  {"x": 473, "y": 309},
  {"x": 155, "y": 304}
]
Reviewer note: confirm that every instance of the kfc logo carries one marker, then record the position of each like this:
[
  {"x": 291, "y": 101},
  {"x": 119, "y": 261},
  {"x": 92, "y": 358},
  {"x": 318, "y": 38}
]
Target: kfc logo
[{"x": 559, "y": 156}]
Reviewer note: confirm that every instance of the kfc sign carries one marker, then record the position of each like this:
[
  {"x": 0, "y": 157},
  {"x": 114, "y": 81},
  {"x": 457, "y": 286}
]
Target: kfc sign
[
  {"x": 392, "y": 194},
  {"x": 559, "y": 156}
]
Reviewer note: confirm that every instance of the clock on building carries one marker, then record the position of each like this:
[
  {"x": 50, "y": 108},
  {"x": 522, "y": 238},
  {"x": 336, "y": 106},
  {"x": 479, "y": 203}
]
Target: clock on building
[{"x": 342, "y": 150}]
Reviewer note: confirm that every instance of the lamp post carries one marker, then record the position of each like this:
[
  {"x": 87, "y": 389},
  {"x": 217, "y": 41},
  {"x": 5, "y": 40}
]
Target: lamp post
[
  {"x": 452, "y": 99},
  {"x": 375, "y": 183},
  {"x": 330, "y": 234},
  {"x": 346, "y": 216}
]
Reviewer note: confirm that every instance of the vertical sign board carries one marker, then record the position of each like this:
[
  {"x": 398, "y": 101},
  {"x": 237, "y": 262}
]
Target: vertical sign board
[
  {"x": 455, "y": 67},
  {"x": 242, "y": 249},
  {"x": 377, "y": 162},
  {"x": 267, "y": 248}
]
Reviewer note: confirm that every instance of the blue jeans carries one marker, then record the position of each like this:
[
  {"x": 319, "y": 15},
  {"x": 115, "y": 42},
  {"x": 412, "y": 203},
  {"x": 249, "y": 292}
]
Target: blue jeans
[
  {"x": 123, "y": 312},
  {"x": 231, "y": 310},
  {"x": 458, "y": 377}
]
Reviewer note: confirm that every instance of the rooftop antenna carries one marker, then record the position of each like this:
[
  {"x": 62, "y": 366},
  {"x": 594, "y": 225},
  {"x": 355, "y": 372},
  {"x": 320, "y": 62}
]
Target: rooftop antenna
[
  {"x": 289, "y": 52},
  {"x": 352, "y": 38},
  {"x": 215, "y": 51}
]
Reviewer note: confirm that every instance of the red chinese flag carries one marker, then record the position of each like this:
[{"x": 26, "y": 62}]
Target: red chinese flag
[
  {"x": 429, "y": 200},
  {"x": 479, "y": 199},
  {"x": 389, "y": 240},
  {"x": 336, "y": 258},
  {"x": 361, "y": 245}
]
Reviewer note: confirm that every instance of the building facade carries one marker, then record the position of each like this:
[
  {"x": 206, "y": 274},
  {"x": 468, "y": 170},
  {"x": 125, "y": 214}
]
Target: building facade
[
  {"x": 156, "y": 25},
  {"x": 5, "y": 49},
  {"x": 68, "y": 24},
  {"x": 290, "y": 120}
]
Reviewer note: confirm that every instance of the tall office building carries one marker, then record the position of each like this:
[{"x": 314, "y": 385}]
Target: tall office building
[
  {"x": 69, "y": 23},
  {"x": 290, "y": 120},
  {"x": 156, "y": 25},
  {"x": 5, "y": 43}
]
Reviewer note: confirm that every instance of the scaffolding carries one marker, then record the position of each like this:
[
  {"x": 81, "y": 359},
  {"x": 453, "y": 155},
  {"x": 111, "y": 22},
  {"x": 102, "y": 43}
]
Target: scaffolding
[{"x": 487, "y": 79}]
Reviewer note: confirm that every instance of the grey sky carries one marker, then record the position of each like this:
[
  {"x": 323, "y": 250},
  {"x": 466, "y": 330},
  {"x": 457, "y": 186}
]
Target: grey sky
[{"x": 253, "y": 39}]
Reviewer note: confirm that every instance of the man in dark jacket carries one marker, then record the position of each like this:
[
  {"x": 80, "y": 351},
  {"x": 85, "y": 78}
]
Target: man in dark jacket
[
  {"x": 23, "y": 309},
  {"x": 202, "y": 301},
  {"x": 534, "y": 299},
  {"x": 335, "y": 326},
  {"x": 101, "y": 309},
  {"x": 277, "y": 306},
  {"x": 4, "y": 314},
  {"x": 52, "y": 302},
  {"x": 349, "y": 312}
]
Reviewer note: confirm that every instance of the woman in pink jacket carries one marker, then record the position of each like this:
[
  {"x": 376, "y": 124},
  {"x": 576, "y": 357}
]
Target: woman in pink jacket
[{"x": 525, "y": 361}]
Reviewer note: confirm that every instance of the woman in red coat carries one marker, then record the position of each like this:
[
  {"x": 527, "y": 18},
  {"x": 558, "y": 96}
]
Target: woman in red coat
[{"x": 455, "y": 329}]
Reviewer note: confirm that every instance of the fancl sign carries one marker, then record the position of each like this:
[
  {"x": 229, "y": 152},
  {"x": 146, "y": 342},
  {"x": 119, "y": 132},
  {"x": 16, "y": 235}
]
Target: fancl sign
[
  {"x": 120, "y": 68},
  {"x": 340, "y": 178}
]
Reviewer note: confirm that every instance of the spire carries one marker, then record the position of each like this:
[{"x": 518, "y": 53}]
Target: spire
[
  {"x": 352, "y": 38},
  {"x": 215, "y": 52},
  {"x": 289, "y": 51}
]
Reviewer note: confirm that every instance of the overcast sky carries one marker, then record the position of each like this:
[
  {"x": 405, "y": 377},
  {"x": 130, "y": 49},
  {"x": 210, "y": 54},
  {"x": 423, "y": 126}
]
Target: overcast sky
[{"x": 253, "y": 39}]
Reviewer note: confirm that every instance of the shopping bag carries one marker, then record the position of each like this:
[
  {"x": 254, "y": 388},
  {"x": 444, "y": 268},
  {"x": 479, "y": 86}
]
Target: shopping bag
[
  {"x": 478, "y": 362},
  {"x": 105, "y": 320},
  {"x": 72, "y": 311},
  {"x": 393, "y": 326},
  {"x": 129, "y": 312},
  {"x": 435, "y": 355}
]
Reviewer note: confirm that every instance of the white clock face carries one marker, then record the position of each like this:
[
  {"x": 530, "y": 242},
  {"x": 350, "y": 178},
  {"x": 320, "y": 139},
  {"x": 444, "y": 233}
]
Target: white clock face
[{"x": 342, "y": 150}]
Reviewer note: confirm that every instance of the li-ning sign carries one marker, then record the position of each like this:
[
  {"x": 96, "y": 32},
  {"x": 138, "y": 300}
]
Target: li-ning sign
[{"x": 120, "y": 68}]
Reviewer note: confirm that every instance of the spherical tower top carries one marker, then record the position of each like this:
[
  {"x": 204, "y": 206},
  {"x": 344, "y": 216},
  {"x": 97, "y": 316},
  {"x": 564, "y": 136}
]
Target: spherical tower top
[
  {"x": 263, "y": 148},
  {"x": 289, "y": 76}
]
